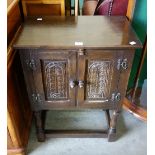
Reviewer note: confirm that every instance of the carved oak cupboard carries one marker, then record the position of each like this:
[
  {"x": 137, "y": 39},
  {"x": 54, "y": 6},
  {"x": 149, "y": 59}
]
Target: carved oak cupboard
[{"x": 77, "y": 63}]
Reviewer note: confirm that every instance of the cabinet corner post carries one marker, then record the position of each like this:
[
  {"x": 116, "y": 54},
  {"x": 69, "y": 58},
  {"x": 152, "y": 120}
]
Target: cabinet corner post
[{"x": 39, "y": 126}]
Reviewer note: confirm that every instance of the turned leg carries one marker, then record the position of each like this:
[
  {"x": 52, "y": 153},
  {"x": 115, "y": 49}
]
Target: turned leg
[
  {"x": 112, "y": 129},
  {"x": 39, "y": 126}
]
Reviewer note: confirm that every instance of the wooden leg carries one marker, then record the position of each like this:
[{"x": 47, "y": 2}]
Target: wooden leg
[
  {"x": 39, "y": 126},
  {"x": 112, "y": 129},
  {"x": 107, "y": 114}
]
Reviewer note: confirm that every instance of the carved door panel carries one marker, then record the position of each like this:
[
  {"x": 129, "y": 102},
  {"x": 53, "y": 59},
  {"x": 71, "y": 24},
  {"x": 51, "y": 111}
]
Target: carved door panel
[
  {"x": 98, "y": 75},
  {"x": 53, "y": 71}
]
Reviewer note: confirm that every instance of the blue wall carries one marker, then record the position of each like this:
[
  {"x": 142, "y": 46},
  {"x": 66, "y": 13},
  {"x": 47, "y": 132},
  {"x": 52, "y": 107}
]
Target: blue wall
[{"x": 81, "y": 3}]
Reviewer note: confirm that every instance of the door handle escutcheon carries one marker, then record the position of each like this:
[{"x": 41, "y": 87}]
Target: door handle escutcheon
[
  {"x": 81, "y": 84},
  {"x": 72, "y": 84}
]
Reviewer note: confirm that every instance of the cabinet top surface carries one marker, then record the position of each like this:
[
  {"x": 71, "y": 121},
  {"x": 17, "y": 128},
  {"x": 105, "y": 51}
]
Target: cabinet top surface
[{"x": 77, "y": 32}]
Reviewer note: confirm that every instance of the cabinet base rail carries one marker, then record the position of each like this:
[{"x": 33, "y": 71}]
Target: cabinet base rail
[
  {"x": 76, "y": 133},
  {"x": 43, "y": 133}
]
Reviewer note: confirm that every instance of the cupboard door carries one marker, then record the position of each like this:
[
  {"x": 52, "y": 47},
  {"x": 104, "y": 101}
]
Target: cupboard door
[
  {"x": 98, "y": 76},
  {"x": 54, "y": 73}
]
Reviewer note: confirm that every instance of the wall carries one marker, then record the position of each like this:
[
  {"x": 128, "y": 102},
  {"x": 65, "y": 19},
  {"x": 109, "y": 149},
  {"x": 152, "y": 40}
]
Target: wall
[{"x": 139, "y": 24}]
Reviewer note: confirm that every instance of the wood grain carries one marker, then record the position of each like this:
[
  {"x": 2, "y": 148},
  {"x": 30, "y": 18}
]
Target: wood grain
[
  {"x": 130, "y": 9},
  {"x": 137, "y": 111},
  {"x": 18, "y": 107},
  {"x": 11, "y": 4},
  {"x": 98, "y": 56},
  {"x": 43, "y": 10},
  {"x": 76, "y": 133},
  {"x": 124, "y": 75},
  {"x": 49, "y": 55},
  {"x": 17, "y": 126},
  {"x": 63, "y": 32},
  {"x": 43, "y": 7},
  {"x": 13, "y": 22}
]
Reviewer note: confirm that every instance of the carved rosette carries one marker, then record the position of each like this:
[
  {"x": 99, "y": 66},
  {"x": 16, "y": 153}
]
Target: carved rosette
[
  {"x": 55, "y": 79},
  {"x": 99, "y": 79}
]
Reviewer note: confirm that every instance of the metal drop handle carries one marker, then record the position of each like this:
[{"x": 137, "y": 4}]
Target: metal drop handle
[
  {"x": 36, "y": 98},
  {"x": 118, "y": 97},
  {"x": 81, "y": 84},
  {"x": 72, "y": 84},
  {"x": 124, "y": 64},
  {"x": 32, "y": 64},
  {"x": 39, "y": 99}
]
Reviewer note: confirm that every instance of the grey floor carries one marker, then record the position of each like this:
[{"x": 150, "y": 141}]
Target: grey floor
[{"x": 132, "y": 138}]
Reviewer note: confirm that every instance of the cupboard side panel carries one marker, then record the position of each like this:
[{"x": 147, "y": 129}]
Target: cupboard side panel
[{"x": 124, "y": 75}]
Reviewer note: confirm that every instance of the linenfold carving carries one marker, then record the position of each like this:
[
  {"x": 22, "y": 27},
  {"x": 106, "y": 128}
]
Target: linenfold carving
[{"x": 99, "y": 79}]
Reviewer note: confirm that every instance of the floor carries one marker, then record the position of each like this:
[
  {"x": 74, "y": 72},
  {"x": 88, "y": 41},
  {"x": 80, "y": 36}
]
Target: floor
[
  {"x": 132, "y": 138},
  {"x": 140, "y": 98}
]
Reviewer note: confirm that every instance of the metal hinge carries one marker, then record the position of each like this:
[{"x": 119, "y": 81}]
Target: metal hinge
[
  {"x": 31, "y": 64},
  {"x": 116, "y": 97},
  {"x": 36, "y": 98},
  {"x": 122, "y": 64}
]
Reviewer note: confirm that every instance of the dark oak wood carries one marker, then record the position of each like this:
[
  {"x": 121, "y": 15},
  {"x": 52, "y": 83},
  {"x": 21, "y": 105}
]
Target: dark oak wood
[
  {"x": 107, "y": 115},
  {"x": 76, "y": 133},
  {"x": 98, "y": 70},
  {"x": 40, "y": 78},
  {"x": 113, "y": 123},
  {"x": 61, "y": 75},
  {"x": 63, "y": 32},
  {"x": 39, "y": 126}
]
